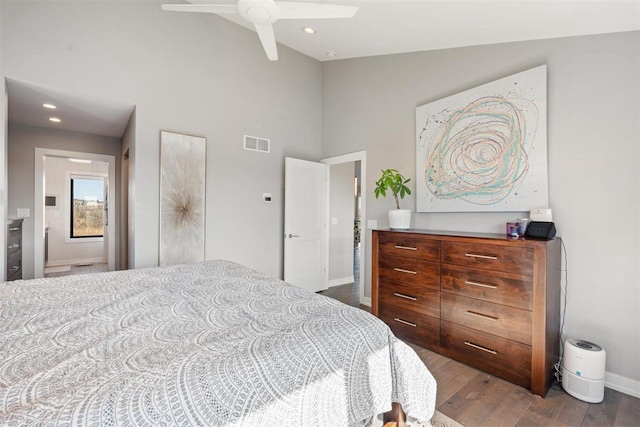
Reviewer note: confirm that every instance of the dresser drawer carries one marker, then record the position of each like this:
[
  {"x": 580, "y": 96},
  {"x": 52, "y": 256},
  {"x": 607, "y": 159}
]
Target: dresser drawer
[
  {"x": 409, "y": 246},
  {"x": 507, "y": 322},
  {"x": 410, "y": 297},
  {"x": 514, "y": 290},
  {"x": 404, "y": 270},
  {"x": 411, "y": 326},
  {"x": 14, "y": 265},
  {"x": 506, "y": 359},
  {"x": 14, "y": 244},
  {"x": 511, "y": 258}
]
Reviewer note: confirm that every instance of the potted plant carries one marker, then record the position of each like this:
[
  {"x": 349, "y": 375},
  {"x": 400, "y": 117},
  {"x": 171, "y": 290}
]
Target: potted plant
[{"x": 393, "y": 181}]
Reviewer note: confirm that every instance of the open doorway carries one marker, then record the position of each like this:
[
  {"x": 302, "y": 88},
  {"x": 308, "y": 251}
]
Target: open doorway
[
  {"x": 73, "y": 222},
  {"x": 75, "y": 216},
  {"x": 347, "y": 194}
]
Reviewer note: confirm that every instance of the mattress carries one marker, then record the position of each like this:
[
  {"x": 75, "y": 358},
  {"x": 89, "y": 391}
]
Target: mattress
[{"x": 209, "y": 344}]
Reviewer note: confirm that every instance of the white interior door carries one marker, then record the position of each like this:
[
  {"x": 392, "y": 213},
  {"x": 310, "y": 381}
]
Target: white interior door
[{"x": 305, "y": 227}]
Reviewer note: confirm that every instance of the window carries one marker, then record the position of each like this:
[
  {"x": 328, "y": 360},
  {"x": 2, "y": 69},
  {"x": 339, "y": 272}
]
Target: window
[{"x": 87, "y": 206}]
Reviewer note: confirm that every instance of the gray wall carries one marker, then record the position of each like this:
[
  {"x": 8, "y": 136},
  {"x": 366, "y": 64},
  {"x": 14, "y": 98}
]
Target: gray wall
[
  {"x": 193, "y": 73},
  {"x": 22, "y": 143},
  {"x": 127, "y": 192},
  {"x": 593, "y": 141}
]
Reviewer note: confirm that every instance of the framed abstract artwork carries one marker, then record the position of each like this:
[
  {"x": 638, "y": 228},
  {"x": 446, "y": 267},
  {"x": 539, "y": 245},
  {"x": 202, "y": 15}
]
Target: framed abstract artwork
[
  {"x": 182, "y": 198},
  {"x": 485, "y": 149}
]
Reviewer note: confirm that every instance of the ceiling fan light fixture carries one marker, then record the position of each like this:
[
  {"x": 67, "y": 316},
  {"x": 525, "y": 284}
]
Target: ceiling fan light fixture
[{"x": 308, "y": 30}]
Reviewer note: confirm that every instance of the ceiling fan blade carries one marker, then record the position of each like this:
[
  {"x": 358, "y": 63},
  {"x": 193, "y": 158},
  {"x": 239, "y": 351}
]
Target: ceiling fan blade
[
  {"x": 219, "y": 9},
  {"x": 268, "y": 40},
  {"x": 299, "y": 10}
]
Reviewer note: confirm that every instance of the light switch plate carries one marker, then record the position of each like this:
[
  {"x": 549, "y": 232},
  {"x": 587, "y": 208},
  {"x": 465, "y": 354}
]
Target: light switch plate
[
  {"x": 23, "y": 213},
  {"x": 372, "y": 224}
]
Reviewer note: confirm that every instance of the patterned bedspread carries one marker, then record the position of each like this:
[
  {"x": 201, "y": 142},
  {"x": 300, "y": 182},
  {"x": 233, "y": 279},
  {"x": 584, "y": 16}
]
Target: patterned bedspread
[{"x": 211, "y": 344}]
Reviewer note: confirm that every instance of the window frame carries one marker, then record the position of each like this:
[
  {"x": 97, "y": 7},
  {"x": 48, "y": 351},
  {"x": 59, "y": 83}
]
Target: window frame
[{"x": 70, "y": 176}]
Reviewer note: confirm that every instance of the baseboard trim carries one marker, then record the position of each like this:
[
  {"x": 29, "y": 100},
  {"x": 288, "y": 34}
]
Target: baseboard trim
[
  {"x": 75, "y": 261},
  {"x": 622, "y": 384},
  {"x": 341, "y": 281},
  {"x": 365, "y": 301}
]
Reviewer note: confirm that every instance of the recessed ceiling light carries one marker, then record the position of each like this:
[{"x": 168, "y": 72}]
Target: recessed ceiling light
[
  {"x": 308, "y": 30},
  {"x": 49, "y": 106},
  {"x": 54, "y": 119}
]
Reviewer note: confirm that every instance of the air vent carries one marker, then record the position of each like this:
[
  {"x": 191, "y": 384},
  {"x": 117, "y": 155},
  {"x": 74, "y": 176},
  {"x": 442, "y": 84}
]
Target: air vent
[{"x": 254, "y": 143}]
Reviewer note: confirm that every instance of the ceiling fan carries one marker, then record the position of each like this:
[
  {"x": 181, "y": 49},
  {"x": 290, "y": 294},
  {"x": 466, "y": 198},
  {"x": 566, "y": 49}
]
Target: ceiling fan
[{"x": 263, "y": 13}]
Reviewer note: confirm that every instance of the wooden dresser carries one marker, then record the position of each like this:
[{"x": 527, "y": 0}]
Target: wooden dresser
[
  {"x": 14, "y": 249},
  {"x": 489, "y": 301}
]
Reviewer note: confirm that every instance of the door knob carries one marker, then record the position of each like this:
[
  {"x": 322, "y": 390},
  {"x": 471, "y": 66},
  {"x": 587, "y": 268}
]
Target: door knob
[{"x": 293, "y": 235}]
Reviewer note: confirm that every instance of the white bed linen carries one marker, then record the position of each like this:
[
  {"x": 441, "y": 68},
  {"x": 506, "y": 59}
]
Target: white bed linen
[{"x": 212, "y": 343}]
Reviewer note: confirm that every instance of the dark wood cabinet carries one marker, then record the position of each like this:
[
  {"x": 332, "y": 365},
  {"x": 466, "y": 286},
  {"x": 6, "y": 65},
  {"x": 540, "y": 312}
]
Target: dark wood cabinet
[
  {"x": 14, "y": 249},
  {"x": 490, "y": 301}
]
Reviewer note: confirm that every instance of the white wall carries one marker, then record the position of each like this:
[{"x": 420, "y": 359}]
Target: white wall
[
  {"x": 593, "y": 150},
  {"x": 342, "y": 214},
  {"x": 22, "y": 143},
  {"x": 61, "y": 251},
  {"x": 194, "y": 73}
]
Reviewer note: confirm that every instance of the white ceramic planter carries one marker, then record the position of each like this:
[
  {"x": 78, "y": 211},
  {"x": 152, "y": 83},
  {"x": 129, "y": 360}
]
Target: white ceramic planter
[{"x": 400, "y": 219}]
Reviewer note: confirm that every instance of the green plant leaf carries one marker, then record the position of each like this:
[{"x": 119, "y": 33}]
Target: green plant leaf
[{"x": 392, "y": 180}]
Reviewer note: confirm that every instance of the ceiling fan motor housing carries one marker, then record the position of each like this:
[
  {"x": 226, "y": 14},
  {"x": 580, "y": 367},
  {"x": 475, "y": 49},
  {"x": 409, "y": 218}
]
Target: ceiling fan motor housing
[{"x": 259, "y": 12}]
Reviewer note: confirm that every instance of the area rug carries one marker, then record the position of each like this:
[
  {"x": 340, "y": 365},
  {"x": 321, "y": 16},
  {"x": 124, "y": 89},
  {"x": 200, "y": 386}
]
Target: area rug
[
  {"x": 441, "y": 420},
  {"x": 57, "y": 269},
  {"x": 438, "y": 420}
]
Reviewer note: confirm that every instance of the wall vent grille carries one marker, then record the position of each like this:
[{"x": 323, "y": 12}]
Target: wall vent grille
[{"x": 254, "y": 143}]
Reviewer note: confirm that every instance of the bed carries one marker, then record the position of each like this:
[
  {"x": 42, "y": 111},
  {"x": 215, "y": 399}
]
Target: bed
[{"x": 208, "y": 344}]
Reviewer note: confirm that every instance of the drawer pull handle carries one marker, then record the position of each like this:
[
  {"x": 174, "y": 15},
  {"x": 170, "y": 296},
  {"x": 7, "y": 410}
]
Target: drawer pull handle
[
  {"x": 483, "y": 285},
  {"x": 484, "y": 316},
  {"x": 481, "y": 256},
  {"x": 479, "y": 347},
  {"x": 401, "y": 270},
  {"x": 407, "y": 248},
  {"x": 413, "y": 325},
  {"x": 15, "y": 245},
  {"x": 405, "y": 296},
  {"x": 15, "y": 268},
  {"x": 14, "y": 228}
]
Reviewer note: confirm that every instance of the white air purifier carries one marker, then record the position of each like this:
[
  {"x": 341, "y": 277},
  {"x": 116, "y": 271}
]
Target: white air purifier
[{"x": 583, "y": 367}]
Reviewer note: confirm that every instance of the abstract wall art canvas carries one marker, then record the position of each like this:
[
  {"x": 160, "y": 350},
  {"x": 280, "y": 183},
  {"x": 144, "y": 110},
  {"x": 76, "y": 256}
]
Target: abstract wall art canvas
[
  {"x": 182, "y": 198},
  {"x": 485, "y": 149}
]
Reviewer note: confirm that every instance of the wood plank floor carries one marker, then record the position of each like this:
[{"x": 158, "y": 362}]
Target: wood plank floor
[{"x": 475, "y": 398}]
